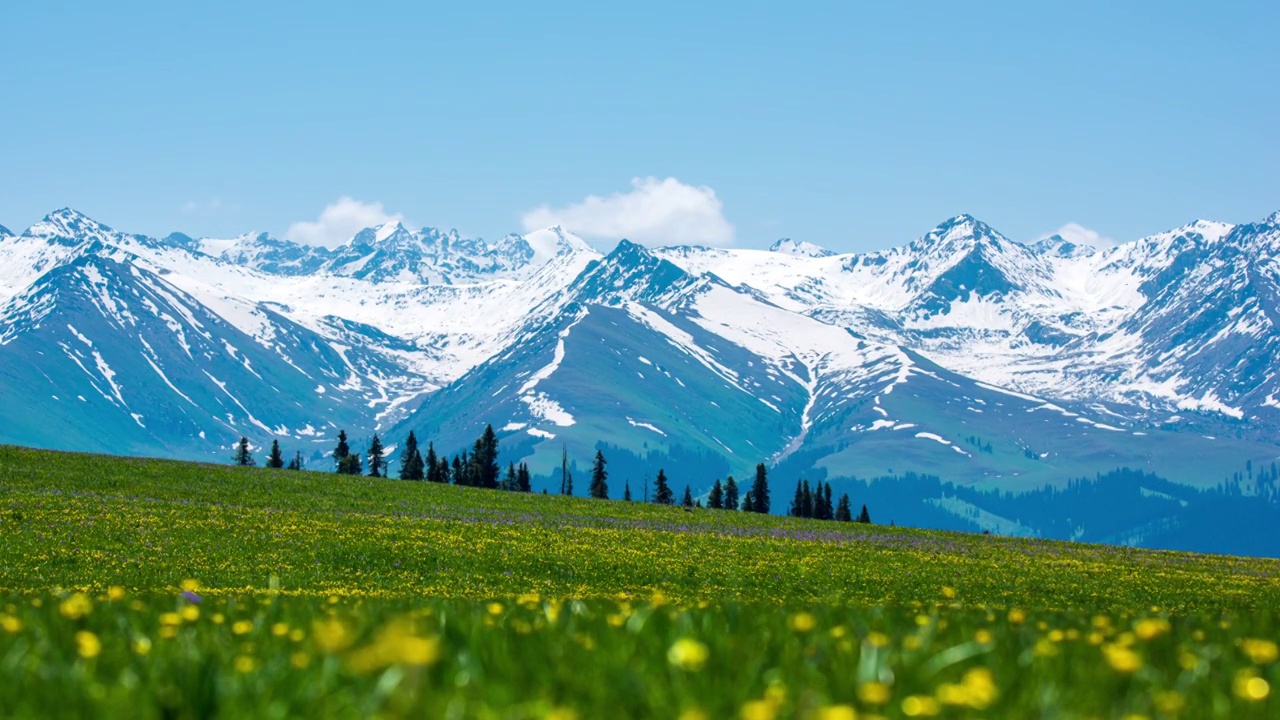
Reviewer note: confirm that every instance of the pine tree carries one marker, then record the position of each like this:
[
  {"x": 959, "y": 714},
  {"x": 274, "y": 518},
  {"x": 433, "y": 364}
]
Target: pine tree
[
  {"x": 275, "y": 460},
  {"x": 715, "y": 498},
  {"x": 748, "y": 503},
  {"x": 864, "y": 516},
  {"x": 341, "y": 452},
  {"x": 431, "y": 465},
  {"x": 566, "y": 477},
  {"x": 760, "y": 491},
  {"x": 459, "y": 475},
  {"x": 376, "y": 464},
  {"x": 296, "y": 462},
  {"x": 626, "y": 491},
  {"x": 465, "y": 475},
  {"x": 486, "y": 459},
  {"x": 843, "y": 512},
  {"x": 411, "y": 466},
  {"x": 243, "y": 457},
  {"x": 599, "y": 477},
  {"x": 524, "y": 482},
  {"x": 509, "y": 482},
  {"x": 730, "y": 494},
  {"x": 688, "y": 497},
  {"x": 662, "y": 494},
  {"x": 797, "y": 503},
  {"x": 827, "y": 511},
  {"x": 806, "y": 501},
  {"x": 350, "y": 465}
]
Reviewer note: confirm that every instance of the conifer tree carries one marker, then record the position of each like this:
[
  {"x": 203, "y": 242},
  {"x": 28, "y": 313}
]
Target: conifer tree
[
  {"x": 662, "y": 494},
  {"x": 524, "y": 482},
  {"x": 797, "y": 503},
  {"x": 760, "y": 491},
  {"x": 599, "y": 478},
  {"x": 715, "y": 498},
  {"x": 566, "y": 477},
  {"x": 730, "y": 494},
  {"x": 806, "y": 501},
  {"x": 243, "y": 457},
  {"x": 275, "y": 460},
  {"x": 296, "y": 462},
  {"x": 377, "y": 465},
  {"x": 748, "y": 503},
  {"x": 688, "y": 498},
  {"x": 341, "y": 452},
  {"x": 485, "y": 457},
  {"x": 509, "y": 482},
  {"x": 626, "y": 491},
  {"x": 432, "y": 465},
  {"x": 843, "y": 512},
  {"x": 350, "y": 465},
  {"x": 459, "y": 475},
  {"x": 864, "y": 516},
  {"x": 411, "y": 466},
  {"x": 466, "y": 476},
  {"x": 827, "y": 511}
]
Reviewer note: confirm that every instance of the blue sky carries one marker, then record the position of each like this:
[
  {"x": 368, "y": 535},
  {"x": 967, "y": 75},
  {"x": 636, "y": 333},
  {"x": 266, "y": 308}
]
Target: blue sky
[{"x": 853, "y": 126}]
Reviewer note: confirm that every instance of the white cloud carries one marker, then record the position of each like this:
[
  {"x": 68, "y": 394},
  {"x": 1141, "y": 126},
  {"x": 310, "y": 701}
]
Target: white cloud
[
  {"x": 1081, "y": 235},
  {"x": 654, "y": 212},
  {"x": 339, "y": 221}
]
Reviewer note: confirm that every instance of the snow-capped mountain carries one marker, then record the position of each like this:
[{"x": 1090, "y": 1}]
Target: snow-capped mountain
[
  {"x": 799, "y": 248},
  {"x": 963, "y": 353}
]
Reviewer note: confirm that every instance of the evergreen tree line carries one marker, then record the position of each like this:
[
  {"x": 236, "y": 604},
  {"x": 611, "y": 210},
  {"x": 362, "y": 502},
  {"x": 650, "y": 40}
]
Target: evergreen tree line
[
  {"x": 816, "y": 503},
  {"x": 479, "y": 467}
]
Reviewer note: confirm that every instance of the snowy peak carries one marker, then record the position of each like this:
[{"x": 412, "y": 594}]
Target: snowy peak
[
  {"x": 1058, "y": 246},
  {"x": 631, "y": 273},
  {"x": 1272, "y": 219},
  {"x": 69, "y": 227},
  {"x": 4, "y": 232},
  {"x": 963, "y": 227},
  {"x": 552, "y": 242},
  {"x": 800, "y": 248}
]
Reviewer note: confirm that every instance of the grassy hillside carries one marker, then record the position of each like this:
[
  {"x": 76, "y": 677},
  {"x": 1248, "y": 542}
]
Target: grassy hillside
[{"x": 321, "y": 595}]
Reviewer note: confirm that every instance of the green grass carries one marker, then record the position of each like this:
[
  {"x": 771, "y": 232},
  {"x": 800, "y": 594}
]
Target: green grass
[{"x": 359, "y": 597}]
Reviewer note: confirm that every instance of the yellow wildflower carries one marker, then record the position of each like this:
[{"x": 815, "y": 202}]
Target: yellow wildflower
[
  {"x": 1260, "y": 652},
  {"x": 759, "y": 710},
  {"x": 920, "y": 706},
  {"x": 1248, "y": 686},
  {"x": 1149, "y": 628},
  {"x": 801, "y": 622},
  {"x": 88, "y": 644},
  {"x": 837, "y": 712},
  {"x": 1121, "y": 659},
  {"x": 688, "y": 654},
  {"x": 76, "y": 606},
  {"x": 873, "y": 693}
]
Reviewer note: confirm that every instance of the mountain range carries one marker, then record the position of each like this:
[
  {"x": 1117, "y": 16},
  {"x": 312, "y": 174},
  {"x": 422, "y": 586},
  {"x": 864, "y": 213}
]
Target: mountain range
[{"x": 992, "y": 364}]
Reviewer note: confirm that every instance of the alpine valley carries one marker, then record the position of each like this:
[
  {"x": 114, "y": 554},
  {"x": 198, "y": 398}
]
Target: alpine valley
[{"x": 963, "y": 380}]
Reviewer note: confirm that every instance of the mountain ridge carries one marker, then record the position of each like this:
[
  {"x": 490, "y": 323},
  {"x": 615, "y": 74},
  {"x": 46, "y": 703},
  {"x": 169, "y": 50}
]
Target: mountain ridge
[{"x": 962, "y": 353}]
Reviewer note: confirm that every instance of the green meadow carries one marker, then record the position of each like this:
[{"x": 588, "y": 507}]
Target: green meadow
[{"x": 146, "y": 588}]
